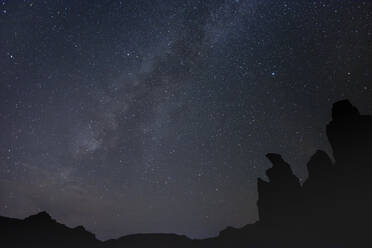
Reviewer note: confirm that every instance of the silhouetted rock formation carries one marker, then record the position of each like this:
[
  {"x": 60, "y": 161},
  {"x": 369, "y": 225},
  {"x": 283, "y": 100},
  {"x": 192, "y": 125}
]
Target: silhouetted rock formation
[
  {"x": 318, "y": 189},
  {"x": 350, "y": 135},
  {"x": 282, "y": 191},
  {"x": 334, "y": 204},
  {"x": 333, "y": 208}
]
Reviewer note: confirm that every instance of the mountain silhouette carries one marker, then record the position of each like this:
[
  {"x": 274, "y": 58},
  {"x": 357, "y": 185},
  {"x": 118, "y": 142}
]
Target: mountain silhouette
[
  {"x": 333, "y": 207},
  {"x": 41, "y": 230}
]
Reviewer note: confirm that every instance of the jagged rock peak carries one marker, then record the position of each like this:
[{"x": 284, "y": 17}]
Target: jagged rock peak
[
  {"x": 280, "y": 170},
  {"x": 42, "y": 216},
  {"x": 277, "y": 160},
  {"x": 320, "y": 164},
  {"x": 343, "y": 110},
  {"x": 80, "y": 228}
]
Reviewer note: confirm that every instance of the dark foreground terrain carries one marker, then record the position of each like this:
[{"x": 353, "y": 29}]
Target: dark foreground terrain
[{"x": 331, "y": 209}]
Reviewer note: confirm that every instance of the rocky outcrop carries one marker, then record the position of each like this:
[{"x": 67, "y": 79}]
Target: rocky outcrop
[
  {"x": 282, "y": 191},
  {"x": 335, "y": 201},
  {"x": 350, "y": 135}
]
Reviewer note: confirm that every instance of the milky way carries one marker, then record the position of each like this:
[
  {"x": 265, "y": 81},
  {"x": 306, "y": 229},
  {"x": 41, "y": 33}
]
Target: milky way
[{"x": 155, "y": 116}]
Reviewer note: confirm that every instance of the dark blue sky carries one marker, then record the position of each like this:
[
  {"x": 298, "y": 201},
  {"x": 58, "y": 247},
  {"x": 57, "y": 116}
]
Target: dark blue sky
[{"x": 155, "y": 116}]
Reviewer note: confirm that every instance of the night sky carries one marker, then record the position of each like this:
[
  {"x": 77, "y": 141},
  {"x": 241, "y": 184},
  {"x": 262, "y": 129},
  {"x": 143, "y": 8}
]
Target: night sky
[{"x": 155, "y": 116}]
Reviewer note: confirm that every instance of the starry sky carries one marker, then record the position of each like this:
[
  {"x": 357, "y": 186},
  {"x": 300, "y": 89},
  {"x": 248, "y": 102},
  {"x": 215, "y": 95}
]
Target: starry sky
[{"x": 155, "y": 116}]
